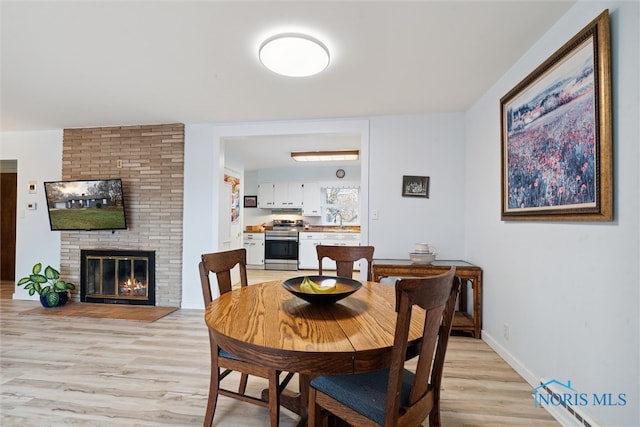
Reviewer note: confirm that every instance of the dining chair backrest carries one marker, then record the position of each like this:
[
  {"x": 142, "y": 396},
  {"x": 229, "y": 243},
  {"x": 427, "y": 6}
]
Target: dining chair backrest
[
  {"x": 437, "y": 296},
  {"x": 221, "y": 264},
  {"x": 345, "y": 256},
  {"x": 397, "y": 396}
]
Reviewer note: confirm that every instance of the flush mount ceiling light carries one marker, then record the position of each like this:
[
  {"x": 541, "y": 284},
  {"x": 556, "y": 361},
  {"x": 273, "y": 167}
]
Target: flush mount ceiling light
[
  {"x": 294, "y": 55},
  {"x": 324, "y": 156}
]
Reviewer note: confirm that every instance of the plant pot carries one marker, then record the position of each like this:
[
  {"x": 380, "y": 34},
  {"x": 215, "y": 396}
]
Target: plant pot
[{"x": 51, "y": 300}]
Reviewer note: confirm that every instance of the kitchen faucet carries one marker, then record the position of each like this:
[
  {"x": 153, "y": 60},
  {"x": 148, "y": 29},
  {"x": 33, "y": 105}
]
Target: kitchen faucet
[{"x": 336, "y": 217}]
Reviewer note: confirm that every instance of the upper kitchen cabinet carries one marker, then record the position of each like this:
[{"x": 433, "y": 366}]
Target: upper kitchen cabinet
[
  {"x": 280, "y": 195},
  {"x": 311, "y": 199},
  {"x": 287, "y": 194},
  {"x": 266, "y": 195}
]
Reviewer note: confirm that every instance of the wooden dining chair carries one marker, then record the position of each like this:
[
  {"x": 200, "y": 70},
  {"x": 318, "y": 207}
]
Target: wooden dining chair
[
  {"x": 397, "y": 396},
  {"x": 223, "y": 363},
  {"x": 345, "y": 256}
]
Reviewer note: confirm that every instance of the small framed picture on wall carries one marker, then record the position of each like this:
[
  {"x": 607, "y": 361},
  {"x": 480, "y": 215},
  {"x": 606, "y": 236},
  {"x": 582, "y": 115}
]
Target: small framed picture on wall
[
  {"x": 250, "y": 201},
  {"x": 415, "y": 186}
]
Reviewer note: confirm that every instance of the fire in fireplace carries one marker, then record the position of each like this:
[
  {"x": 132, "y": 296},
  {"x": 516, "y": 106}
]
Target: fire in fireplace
[{"x": 117, "y": 277}]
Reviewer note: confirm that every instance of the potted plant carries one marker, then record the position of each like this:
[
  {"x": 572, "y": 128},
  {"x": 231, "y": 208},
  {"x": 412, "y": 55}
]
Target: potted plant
[{"x": 53, "y": 291}]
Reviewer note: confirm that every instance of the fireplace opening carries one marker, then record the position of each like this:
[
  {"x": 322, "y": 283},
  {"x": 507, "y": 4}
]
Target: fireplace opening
[{"x": 117, "y": 277}]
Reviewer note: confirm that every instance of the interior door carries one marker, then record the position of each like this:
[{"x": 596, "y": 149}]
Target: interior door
[
  {"x": 225, "y": 217},
  {"x": 8, "y": 205}
]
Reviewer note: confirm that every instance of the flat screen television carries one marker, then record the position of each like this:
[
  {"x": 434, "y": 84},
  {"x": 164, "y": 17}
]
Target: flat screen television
[{"x": 96, "y": 204}]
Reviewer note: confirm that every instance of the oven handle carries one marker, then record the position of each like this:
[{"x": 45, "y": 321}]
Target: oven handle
[{"x": 281, "y": 238}]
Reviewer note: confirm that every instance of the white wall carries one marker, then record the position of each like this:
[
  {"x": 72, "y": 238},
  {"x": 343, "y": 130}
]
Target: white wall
[
  {"x": 39, "y": 158},
  {"x": 202, "y": 168},
  {"x": 567, "y": 291},
  {"x": 423, "y": 145}
]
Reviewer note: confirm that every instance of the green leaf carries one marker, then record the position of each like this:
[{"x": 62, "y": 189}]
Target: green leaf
[
  {"x": 60, "y": 286},
  {"x": 37, "y": 268},
  {"x": 51, "y": 273},
  {"x": 38, "y": 278},
  {"x": 32, "y": 291},
  {"x": 71, "y": 286},
  {"x": 38, "y": 288},
  {"x": 24, "y": 280},
  {"x": 53, "y": 298}
]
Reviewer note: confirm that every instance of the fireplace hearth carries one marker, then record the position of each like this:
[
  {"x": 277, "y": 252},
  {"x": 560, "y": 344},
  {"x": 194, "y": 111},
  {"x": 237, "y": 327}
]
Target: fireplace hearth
[{"x": 117, "y": 277}]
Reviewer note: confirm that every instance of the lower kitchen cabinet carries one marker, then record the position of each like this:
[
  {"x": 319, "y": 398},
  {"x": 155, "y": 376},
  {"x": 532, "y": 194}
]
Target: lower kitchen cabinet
[
  {"x": 307, "y": 255},
  {"x": 254, "y": 244}
]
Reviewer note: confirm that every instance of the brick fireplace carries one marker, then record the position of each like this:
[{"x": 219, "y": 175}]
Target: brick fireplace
[
  {"x": 117, "y": 277},
  {"x": 150, "y": 161}
]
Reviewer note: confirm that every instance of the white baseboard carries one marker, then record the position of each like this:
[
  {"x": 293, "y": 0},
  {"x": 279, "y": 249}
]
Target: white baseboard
[{"x": 558, "y": 412}]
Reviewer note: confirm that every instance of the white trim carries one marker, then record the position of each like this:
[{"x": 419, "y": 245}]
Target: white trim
[{"x": 559, "y": 413}]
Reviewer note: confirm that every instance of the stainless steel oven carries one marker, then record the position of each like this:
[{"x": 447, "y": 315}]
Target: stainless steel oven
[{"x": 281, "y": 245}]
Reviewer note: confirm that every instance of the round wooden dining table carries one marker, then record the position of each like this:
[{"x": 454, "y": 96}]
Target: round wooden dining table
[{"x": 266, "y": 325}]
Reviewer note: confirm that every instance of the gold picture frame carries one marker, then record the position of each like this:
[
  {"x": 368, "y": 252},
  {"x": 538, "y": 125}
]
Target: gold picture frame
[{"x": 556, "y": 135}]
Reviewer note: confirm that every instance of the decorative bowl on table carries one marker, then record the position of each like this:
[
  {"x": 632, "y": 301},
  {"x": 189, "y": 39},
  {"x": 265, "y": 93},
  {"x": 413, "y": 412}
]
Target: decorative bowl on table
[
  {"x": 422, "y": 257},
  {"x": 327, "y": 290}
]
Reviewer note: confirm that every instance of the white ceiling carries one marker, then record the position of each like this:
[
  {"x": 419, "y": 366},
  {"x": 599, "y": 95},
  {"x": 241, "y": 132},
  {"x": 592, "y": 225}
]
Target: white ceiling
[{"x": 110, "y": 63}]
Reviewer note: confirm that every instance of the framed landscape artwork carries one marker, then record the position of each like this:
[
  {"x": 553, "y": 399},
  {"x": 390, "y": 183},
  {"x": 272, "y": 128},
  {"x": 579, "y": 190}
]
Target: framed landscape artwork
[{"x": 556, "y": 135}]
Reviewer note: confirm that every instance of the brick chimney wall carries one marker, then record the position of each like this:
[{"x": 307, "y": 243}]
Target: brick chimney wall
[{"x": 150, "y": 161}]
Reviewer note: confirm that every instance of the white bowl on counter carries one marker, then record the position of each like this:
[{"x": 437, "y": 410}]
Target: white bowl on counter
[{"x": 422, "y": 258}]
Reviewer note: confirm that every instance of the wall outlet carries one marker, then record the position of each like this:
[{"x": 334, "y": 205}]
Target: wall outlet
[{"x": 505, "y": 331}]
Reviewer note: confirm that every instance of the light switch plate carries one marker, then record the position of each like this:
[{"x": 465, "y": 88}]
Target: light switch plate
[
  {"x": 32, "y": 206},
  {"x": 32, "y": 187}
]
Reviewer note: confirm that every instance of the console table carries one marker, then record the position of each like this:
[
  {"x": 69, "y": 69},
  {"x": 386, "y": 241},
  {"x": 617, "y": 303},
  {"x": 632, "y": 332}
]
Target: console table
[{"x": 463, "y": 321}]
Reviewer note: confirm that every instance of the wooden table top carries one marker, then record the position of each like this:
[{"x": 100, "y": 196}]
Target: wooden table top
[{"x": 267, "y": 325}]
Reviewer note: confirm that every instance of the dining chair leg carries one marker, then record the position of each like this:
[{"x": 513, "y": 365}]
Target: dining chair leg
[
  {"x": 274, "y": 398},
  {"x": 434, "y": 415},
  {"x": 314, "y": 410},
  {"x": 212, "y": 400}
]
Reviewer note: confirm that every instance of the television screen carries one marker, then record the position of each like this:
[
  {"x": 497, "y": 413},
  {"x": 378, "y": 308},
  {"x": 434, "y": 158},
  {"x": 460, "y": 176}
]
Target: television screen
[{"x": 86, "y": 205}]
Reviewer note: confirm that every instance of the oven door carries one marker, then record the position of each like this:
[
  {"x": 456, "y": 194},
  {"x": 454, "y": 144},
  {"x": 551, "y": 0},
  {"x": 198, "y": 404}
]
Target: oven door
[{"x": 280, "y": 253}]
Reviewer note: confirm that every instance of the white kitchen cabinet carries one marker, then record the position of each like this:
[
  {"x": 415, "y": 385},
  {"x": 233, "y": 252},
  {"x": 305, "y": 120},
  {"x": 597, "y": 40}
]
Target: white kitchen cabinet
[
  {"x": 339, "y": 239},
  {"x": 266, "y": 195},
  {"x": 311, "y": 199},
  {"x": 307, "y": 255},
  {"x": 287, "y": 195},
  {"x": 280, "y": 195},
  {"x": 254, "y": 244}
]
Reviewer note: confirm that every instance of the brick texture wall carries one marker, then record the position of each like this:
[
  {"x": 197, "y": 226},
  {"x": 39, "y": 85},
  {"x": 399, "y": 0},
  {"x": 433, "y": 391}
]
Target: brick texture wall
[{"x": 152, "y": 172}]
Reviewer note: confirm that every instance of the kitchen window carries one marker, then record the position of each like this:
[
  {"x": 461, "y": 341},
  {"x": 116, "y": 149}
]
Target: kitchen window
[{"x": 341, "y": 202}]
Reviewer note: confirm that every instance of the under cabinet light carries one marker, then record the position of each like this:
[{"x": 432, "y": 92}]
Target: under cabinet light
[{"x": 324, "y": 156}]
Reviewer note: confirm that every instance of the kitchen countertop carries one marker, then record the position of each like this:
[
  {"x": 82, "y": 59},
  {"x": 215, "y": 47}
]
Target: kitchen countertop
[
  {"x": 319, "y": 229},
  {"x": 332, "y": 229}
]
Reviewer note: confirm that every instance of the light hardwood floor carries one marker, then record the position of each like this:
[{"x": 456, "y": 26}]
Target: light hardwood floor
[{"x": 111, "y": 372}]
